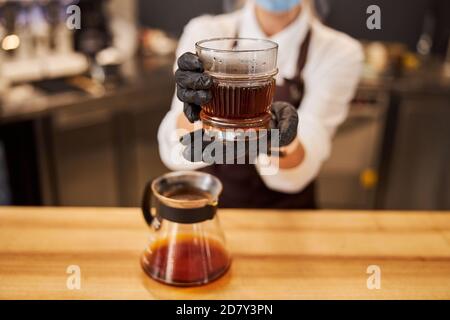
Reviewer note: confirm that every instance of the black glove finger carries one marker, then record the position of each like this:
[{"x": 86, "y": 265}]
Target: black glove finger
[
  {"x": 192, "y": 154},
  {"x": 273, "y": 121},
  {"x": 190, "y": 137},
  {"x": 237, "y": 152},
  {"x": 198, "y": 97},
  {"x": 286, "y": 120},
  {"x": 214, "y": 152},
  {"x": 241, "y": 152},
  {"x": 198, "y": 137},
  {"x": 192, "y": 112},
  {"x": 193, "y": 80},
  {"x": 196, "y": 142},
  {"x": 190, "y": 62},
  {"x": 194, "y": 145}
]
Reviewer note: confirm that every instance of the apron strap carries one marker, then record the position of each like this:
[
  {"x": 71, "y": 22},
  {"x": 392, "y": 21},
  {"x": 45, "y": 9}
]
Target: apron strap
[
  {"x": 296, "y": 85},
  {"x": 301, "y": 61}
]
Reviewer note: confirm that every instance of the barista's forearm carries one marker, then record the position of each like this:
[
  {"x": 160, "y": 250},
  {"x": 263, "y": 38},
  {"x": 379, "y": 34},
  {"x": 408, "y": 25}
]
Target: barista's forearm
[
  {"x": 295, "y": 154},
  {"x": 183, "y": 123}
]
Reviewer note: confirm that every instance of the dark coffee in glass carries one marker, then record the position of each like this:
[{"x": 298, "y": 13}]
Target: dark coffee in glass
[
  {"x": 243, "y": 73},
  {"x": 232, "y": 101}
]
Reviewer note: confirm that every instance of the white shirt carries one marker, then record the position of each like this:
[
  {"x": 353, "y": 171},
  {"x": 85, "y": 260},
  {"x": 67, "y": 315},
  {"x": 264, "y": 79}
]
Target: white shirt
[{"x": 331, "y": 76}]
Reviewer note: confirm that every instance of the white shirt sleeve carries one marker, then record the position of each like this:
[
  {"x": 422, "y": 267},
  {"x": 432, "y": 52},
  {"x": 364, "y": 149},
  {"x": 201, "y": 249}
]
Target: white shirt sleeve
[{"x": 330, "y": 84}]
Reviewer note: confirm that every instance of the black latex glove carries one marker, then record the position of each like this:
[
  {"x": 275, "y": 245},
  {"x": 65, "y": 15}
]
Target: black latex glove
[
  {"x": 199, "y": 146},
  {"x": 284, "y": 118},
  {"x": 192, "y": 85}
]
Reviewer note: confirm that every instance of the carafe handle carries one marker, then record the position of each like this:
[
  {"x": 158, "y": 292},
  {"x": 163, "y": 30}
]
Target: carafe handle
[{"x": 146, "y": 204}]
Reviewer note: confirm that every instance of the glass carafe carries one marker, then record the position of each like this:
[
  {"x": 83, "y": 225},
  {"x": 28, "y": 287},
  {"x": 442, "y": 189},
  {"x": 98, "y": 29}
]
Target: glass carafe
[{"x": 187, "y": 245}]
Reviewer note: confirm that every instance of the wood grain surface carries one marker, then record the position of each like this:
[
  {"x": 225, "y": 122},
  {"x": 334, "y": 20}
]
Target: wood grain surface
[{"x": 276, "y": 255}]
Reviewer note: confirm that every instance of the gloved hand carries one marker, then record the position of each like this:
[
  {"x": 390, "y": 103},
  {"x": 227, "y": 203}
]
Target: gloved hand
[
  {"x": 285, "y": 119},
  {"x": 198, "y": 144},
  {"x": 192, "y": 85}
]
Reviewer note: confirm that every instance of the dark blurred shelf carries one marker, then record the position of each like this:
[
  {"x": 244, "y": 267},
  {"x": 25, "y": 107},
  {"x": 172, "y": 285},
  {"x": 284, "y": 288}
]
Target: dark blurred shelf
[
  {"x": 89, "y": 150},
  {"x": 144, "y": 78}
]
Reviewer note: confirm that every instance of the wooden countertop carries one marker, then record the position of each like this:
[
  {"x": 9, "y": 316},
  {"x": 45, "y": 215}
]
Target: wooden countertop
[{"x": 277, "y": 255}]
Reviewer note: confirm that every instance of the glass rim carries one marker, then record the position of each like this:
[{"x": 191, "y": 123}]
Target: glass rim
[
  {"x": 199, "y": 44},
  {"x": 243, "y": 77},
  {"x": 188, "y": 203}
]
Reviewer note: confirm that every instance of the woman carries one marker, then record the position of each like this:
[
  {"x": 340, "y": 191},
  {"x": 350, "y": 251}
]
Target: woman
[{"x": 318, "y": 73}]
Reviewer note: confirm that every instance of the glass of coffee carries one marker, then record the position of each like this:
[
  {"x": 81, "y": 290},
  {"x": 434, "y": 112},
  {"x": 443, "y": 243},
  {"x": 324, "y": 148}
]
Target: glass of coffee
[
  {"x": 187, "y": 245},
  {"x": 243, "y": 72}
]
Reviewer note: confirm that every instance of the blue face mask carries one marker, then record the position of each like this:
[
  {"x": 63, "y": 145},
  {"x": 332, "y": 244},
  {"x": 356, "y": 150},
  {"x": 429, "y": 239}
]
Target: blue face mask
[{"x": 278, "y": 5}]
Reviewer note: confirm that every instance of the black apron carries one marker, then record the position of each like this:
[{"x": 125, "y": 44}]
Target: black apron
[{"x": 242, "y": 184}]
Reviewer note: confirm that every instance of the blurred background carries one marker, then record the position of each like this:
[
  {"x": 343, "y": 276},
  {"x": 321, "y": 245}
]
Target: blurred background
[{"x": 80, "y": 109}]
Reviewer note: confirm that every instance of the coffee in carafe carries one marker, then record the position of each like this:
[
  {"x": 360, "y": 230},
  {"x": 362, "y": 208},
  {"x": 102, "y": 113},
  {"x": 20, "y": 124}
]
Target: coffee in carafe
[{"x": 189, "y": 254}]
